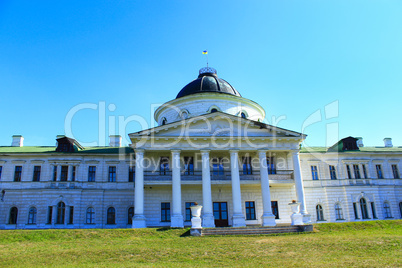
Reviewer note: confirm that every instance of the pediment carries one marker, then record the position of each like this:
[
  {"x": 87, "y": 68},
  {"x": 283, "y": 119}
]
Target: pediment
[{"x": 217, "y": 125}]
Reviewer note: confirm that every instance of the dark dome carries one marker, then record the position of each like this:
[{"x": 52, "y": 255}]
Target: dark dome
[{"x": 207, "y": 81}]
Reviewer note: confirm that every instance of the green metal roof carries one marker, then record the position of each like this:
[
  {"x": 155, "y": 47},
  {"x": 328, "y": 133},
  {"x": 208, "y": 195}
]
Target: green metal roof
[
  {"x": 52, "y": 149},
  {"x": 368, "y": 149}
]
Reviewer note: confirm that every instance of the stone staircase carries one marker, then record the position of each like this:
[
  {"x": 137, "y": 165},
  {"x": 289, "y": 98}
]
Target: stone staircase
[{"x": 256, "y": 230}]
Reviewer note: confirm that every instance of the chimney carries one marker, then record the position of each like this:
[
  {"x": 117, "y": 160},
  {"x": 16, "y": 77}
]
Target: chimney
[
  {"x": 18, "y": 141},
  {"x": 115, "y": 141},
  {"x": 388, "y": 142},
  {"x": 359, "y": 142}
]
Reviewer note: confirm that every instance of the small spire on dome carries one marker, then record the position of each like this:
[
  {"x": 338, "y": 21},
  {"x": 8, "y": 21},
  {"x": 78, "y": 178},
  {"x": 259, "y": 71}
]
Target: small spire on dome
[{"x": 207, "y": 70}]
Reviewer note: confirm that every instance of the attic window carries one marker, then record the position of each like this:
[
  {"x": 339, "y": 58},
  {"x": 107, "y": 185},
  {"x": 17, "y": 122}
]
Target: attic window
[
  {"x": 243, "y": 115},
  {"x": 214, "y": 110},
  {"x": 66, "y": 144},
  {"x": 164, "y": 121}
]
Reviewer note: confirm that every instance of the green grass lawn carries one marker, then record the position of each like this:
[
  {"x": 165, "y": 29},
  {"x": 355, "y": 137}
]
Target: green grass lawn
[{"x": 362, "y": 244}]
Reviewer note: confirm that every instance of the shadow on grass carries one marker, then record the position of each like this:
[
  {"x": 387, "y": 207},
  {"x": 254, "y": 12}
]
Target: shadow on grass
[
  {"x": 185, "y": 234},
  {"x": 163, "y": 229}
]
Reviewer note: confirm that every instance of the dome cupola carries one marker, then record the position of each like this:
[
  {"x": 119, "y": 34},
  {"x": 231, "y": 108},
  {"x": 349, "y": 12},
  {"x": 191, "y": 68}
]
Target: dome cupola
[{"x": 208, "y": 81}]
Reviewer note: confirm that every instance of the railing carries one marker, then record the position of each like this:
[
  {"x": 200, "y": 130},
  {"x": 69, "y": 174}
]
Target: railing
[{"x": 281, "y": 176}]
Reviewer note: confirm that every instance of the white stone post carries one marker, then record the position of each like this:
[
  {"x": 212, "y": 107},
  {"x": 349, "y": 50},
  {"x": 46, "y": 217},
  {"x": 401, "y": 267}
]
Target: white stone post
[
  {"x": 139, "y": 220},
  {"x": 177, "y": 216},
  {"x": 268, "y": 219},
  {"x": 238, "y": 219},
  {"x": 208, "y": 220},
  {"x": 299, "y": 186}
]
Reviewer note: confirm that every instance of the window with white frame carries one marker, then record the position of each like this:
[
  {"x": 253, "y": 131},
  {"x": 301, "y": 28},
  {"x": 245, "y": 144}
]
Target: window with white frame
[
  {"x": 314, "y": 173},
  {"x": 338, "y": 212},
  {"x": 32, "y": 215},
  {"x": 364, "y": 171},
  {"x": 378, "y": 168},
  {"x": 395, "y": 171},
  {"x": 387, "y": 210},
  {"x": 348, "y": 171},
  {"x": 90, "y": 217},
  {"x": 363, "y": 208},
  {"x": 112, "y": 174},
  {"x": 356, "y": 171},
  {"x": 332, "y": 172},
  {"x": 320, "y": 213}
]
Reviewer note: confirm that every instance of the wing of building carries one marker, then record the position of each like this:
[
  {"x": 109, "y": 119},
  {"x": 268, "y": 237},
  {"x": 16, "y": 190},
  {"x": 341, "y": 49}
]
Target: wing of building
[{"x": 210, "y": 147}]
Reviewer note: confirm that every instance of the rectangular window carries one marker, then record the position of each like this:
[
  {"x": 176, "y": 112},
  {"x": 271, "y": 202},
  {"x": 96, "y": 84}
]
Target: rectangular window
[
  {"x": 356, "y": 171},
  {"x": 250, "y": 210},
  {"x": 131, "y": 173},
  {"x": 91, "y": 173},
  {"x": 247, "y": 166},
  {"x": 74, "y": 168},
  {"x": 314, "y": 173},
  {"x": 54, "y": 173},
  {"x": 165, "y": 212},
  {"x": 332, "y": 172},
  {"x": 271, "y": 165},
  {"x": 164, "y": 165},
  {"x": 112, "y": 174},
  {"x": 188, "y": 165},
  {"x": 395, "y": 171},
  {"x": 64, "y": 173},
  {"x": 373, "y": 210},
  {"x": 71, "y": 216},
  {"x": 17, "y": 173},
  {"x": 379, "y": 172},
  {"x": 364, "y": 171},
  {"x": 355, "y": 211},
  {"x": 348, "y": 171},
  {"x": 275, "y": 209},
  {"x": 49, "y": 214},
  {"x": 188, "y": 210},
  {"x": 1, "y": 169},
  {"x": 217, "y": 166},
  {"x": 36, "y": 173}
]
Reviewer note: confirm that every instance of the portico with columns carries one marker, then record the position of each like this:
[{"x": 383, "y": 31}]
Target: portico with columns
[{"x": 229, "y": 147}]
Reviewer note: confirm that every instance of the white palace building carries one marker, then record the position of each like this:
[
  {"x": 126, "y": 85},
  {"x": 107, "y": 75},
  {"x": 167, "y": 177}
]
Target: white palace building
[{"x": 210, "y": 147}]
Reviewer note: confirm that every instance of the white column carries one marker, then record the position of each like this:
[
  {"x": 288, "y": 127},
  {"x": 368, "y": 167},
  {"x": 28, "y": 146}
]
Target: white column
[
  {"x": 208, "y": 220},
  {"x": 177, "y": 216},
  {"x": 268, "y": 219},
  {"x": 299, "y": 186},
  {"x": 69, "y": 172},
  {"x": 238, "y": 218},
  {"x": 139, "y": 220}
]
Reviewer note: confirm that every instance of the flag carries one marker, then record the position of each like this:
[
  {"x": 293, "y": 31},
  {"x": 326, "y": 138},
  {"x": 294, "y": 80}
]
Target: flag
[{"x": 205, "y": 52}]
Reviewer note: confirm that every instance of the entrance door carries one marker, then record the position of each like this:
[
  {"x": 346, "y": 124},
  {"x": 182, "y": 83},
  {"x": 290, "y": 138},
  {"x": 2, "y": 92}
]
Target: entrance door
[{"x": 221, "y": 214}]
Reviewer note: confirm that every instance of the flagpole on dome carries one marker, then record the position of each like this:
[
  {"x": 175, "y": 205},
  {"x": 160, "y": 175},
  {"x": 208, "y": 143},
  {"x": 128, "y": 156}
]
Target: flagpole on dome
[{"x": 205, "y": 52}]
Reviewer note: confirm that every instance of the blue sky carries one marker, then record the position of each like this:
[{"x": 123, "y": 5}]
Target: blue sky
[{"x": 292, "y": 57}]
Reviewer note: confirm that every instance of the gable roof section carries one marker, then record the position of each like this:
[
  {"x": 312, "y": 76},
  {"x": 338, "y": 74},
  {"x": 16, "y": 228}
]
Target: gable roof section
[{"x": 181, "y": 123}]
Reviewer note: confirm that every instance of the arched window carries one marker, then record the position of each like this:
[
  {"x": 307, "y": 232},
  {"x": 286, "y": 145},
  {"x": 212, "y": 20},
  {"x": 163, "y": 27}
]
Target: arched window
[
  {"x": 13, "y": 215},
  {"x": 214, "y": 110},
  {"x": 32, "y": 215},
  {"x": 61, "y": 212},
  {"x": 320, "y": 213},
  {"x": 338, "y": 212},
  {"x": 111, "y": 215},
  {"x": 130, "y": 215},
  {"x": 164, "y": 121},
  {"x": 363, "y": 208},
  {"x": 243, "y": 115},
  {"x": 387, "y": 210},
  {"x": 90, "y": 215}
]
